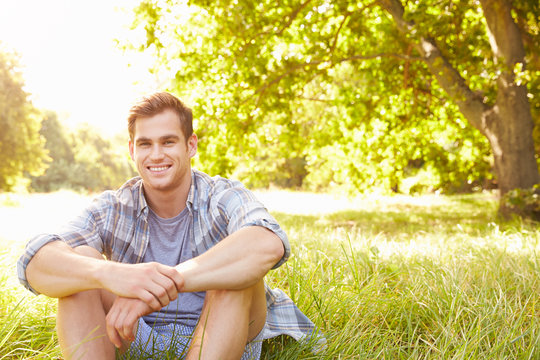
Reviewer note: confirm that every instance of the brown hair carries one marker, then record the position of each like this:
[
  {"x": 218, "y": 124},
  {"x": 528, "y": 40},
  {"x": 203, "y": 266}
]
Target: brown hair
[{"x": 157, "y": 103}]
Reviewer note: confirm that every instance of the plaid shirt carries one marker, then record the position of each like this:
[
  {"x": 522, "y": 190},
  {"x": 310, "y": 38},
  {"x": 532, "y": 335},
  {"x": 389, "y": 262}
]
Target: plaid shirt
[{"x": 116, "y": 225}]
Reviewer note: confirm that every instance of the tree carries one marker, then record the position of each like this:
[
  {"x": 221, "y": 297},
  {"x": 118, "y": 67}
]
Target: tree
[
  {"x": 60, "y": 165},
  {"x": 82, "y": 159},
  {"x": 359, "y": 90},
  {"x": 100, "y": 163},
  {"x": 505, "y": 118},
  {"x": 20, "y": 143}
]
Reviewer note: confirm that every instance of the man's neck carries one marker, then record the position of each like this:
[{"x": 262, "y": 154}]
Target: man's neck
[{"x": 168, "y": 204}]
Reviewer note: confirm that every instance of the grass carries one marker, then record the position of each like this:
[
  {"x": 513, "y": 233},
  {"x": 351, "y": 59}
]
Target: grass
[
  {"x": 430, "y": 277},
  {"x": 26, "y": 322}
]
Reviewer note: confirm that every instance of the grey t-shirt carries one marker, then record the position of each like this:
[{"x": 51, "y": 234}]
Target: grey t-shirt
[{"x": 169, "y": 245}]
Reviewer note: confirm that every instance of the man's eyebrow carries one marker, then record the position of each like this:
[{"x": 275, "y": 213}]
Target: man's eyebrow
[
  {"x": 142, "y": 139},
  {"x": 169, "y": 137},
  {"x": 161, "y": 138}
]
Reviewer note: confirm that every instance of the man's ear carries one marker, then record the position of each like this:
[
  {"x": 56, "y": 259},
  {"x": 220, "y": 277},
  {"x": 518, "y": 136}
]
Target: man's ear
[
  {"x": 131, "y": 150},
  {"x": 192, "y": 145}
]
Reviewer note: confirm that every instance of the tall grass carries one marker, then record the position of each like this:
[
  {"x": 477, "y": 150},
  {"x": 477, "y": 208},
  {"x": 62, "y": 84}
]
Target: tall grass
[
  {"x": 26, "y": 322},
  {"x": 406, "y": 280},
  {"x": 388, "y": 278}
]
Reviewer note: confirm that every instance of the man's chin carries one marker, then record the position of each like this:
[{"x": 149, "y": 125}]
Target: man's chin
[{"x": 161, "y": 184}]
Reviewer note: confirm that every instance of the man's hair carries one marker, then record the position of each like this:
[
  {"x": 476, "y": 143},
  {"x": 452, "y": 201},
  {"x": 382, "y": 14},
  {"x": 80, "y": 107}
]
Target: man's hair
[{"x": 157, "y": 103}]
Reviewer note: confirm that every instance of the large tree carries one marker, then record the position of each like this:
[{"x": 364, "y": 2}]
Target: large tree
[
  {"x": 339, "y": 84},
  {"x": 505, "y": 119},
  {"x": 20, "y": 143}
]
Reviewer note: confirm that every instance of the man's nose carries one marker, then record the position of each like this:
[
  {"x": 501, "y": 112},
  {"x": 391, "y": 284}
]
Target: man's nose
[{"x": 157, "y": 152}]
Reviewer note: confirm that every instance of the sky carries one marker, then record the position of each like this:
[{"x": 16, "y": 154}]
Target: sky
[{"x": 69, "y": 61}]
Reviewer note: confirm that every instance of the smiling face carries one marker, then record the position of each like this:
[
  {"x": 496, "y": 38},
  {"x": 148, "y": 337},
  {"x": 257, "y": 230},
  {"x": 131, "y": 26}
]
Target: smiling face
[{"x": 162, "y": 154}]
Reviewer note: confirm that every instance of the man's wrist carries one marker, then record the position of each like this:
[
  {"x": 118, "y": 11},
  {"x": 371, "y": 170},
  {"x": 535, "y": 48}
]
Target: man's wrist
[
  {"x": 100, "y": 270},
  {"x": 184, "y": 270}
]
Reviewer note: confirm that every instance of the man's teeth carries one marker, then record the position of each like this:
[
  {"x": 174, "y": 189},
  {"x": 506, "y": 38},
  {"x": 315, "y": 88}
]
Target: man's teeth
[{"x": 160, "y": 168}]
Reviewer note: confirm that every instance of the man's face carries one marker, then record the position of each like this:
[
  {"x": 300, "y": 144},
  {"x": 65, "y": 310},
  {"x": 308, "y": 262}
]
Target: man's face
[{"x": 161, "y": 153}]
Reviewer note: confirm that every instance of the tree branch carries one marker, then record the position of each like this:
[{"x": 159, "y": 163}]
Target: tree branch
[
  {"x": 528, "y": 41},
  {"x": 292, "y": 16},
  {"x": 315, "y": 99},
  {"x": 469, "y": 103},
  {"x": 346, "y": 16},
  {"x": 336, "y": 35},
  {"x": 406, "y": 69},
  {"x": 504, "y": 35},
  {"x": 327, "y": 64},
  {"x": 290, "y": 19},
  {"x": 378, "y": 56}
]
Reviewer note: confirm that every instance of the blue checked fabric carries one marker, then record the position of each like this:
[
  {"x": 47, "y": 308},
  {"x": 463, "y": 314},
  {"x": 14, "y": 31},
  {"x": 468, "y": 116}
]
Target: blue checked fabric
[
  {"x": 116, "y": 225},
  {"x": 172, "y": 341}
]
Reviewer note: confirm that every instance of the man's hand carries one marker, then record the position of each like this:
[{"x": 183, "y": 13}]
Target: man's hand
[
  {"x": 57, "y": 270},
  {"x": 123, "y": 317},
  {"x": 153, "y": 283}
]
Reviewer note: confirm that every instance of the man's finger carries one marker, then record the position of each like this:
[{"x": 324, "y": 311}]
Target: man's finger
[
  {"x": 128, "y": 328},
  {"x": 112, "y": 333},
  {"x": 120, "y": 325},
  {"x": 172, "y": 274},
  {"x": 150, "y": 299},
  {"x": 160, "y": 293},
  {"x": 168, "y": 286}
]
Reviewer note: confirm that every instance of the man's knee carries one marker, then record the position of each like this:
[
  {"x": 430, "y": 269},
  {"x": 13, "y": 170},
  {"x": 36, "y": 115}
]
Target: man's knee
[
  {"x": 227, "y": 296},
  {"x": 83, "y": 300},
  {"x": 244, "y": 297},
  {"x": 250, "y": 301}
]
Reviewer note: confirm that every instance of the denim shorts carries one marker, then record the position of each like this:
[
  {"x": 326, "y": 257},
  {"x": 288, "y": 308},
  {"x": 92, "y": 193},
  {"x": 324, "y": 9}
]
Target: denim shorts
[{"x": 172, "y": 341}]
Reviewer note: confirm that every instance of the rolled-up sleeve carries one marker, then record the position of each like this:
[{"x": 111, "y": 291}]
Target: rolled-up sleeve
[
  {"x": 83, "y": 230},
  {"x": 31, "y": 249},
  {"x": 242, "y": 209}
]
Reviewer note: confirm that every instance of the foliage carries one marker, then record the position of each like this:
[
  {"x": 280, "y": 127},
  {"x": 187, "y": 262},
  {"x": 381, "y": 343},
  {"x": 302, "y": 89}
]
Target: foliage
[
  {"x": 523, "y": 202},
  {"x": 424, "y": 277},
  {"x": 460, "y": 26},
  {"x": 20, "y": 144},
  {"x": 61, "y": 156},
  {"x": 82, "y": 159},
  {"x": 329, "y": 93},
  {"x": 100, "y": 163}
]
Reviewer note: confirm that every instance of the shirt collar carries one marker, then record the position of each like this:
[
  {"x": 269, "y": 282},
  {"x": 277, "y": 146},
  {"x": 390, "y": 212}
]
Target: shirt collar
[
  {"x": 190, "y": 202},
  {"x": 142, "y": 205}
]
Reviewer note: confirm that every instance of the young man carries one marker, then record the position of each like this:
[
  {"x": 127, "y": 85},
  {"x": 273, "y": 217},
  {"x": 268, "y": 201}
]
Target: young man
[{"x": 174, "y": 259}]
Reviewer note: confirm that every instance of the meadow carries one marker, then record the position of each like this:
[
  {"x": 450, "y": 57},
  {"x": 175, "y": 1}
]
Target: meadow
[{"x": 425, "y": 277}]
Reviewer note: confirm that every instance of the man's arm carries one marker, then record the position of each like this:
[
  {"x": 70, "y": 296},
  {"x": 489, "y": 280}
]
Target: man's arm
[
  {"x": 238, "y": 261},
  {"x": 57, "y": 270}
]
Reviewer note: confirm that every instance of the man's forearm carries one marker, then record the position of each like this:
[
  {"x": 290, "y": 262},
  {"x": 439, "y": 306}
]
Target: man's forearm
[
  {"x": 236, "y": 262},
  {"x": 56, "y": 270}
]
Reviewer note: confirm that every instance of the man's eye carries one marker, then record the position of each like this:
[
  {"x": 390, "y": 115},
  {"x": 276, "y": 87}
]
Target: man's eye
[{"x": 144, "y": 144}]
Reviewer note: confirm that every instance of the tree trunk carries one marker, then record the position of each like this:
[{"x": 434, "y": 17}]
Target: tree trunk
[
  {"x": 512, "y": 126},
  {"x": 508, "y": 124}
]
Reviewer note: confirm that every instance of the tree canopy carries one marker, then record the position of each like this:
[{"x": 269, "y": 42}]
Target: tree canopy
[
  {"x": 82, "y": 159},
  {"x": 403, "y": 96},
  {"x": 20, "y": 143}
]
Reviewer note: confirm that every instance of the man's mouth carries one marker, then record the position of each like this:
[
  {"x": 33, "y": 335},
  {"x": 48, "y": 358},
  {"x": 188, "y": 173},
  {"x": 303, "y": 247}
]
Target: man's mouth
[{"x": 158, "y": 168}]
